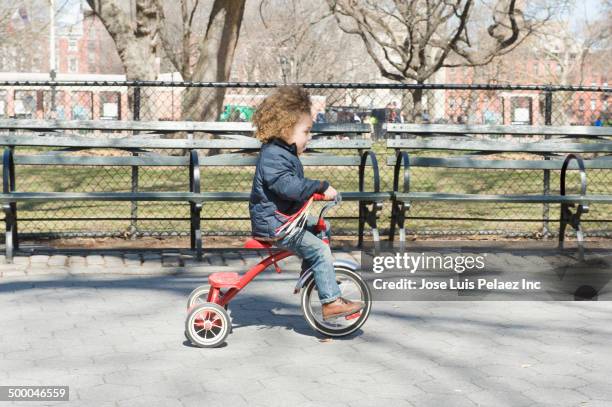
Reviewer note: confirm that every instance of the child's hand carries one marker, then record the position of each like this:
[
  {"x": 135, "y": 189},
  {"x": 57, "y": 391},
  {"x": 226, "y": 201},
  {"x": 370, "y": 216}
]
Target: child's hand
[{"x": 330, "y": 193}]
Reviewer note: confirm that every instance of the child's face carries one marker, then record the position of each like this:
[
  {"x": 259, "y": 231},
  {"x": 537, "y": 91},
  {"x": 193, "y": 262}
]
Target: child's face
[{"x": 300, "y": 134}]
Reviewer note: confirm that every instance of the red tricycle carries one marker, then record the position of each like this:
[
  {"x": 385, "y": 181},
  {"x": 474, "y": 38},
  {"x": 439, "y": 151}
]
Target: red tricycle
[{"x": 208, "y": 322}]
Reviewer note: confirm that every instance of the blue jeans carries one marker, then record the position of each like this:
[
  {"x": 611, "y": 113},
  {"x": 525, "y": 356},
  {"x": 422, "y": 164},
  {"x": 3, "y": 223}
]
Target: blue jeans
[{"x": 316, "y": 255}]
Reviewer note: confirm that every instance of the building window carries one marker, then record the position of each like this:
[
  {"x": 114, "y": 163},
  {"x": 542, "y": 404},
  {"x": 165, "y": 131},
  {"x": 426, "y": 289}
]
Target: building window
[
  {"x": 593, "y": 104},
  {"x": 91, "y": 53},
  {"x": 72, "y": 44},
  {"x": 451, "y": 103},
  {"x": 24, "y": 104},
  {"x": 2, "y": 103},
  {"x": 581, "y": 104},
  {"x": 110, "y": 105},
  {"x": 73, "y": 65}
]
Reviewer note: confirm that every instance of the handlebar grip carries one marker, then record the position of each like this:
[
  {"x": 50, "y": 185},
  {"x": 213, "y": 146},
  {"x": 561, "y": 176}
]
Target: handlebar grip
[{"x": 318, "y": 197}]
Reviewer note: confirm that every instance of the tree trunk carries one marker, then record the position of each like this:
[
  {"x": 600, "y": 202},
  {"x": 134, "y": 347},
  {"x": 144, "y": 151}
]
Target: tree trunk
[
  {"x": 412, "y": 107},
  {"x": 215, "y": 61},
  {"x": 136, "y": 43}
]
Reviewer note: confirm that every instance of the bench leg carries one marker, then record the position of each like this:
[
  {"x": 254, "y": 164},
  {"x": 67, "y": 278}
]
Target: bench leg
[
  {"x": 394, "y": 211},
  {"x": 11, "y": 243},
  {"x": 573, "y": 219},
  {"x": 398, "y": 218},
  {"x": 196, "y": 231},
  {"x": 15, "y": 229},
  {"x": 369, "y": 216},
  {"x": 361, "y": 225},
  {"x": 580, "y": 237},
  {"x": 401, "y": 220},
  {"x": 565, "y": 214}
]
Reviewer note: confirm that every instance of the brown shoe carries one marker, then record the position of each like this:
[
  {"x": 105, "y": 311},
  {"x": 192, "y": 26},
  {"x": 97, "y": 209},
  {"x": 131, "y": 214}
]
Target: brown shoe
[{"x": 340, "y": 308}]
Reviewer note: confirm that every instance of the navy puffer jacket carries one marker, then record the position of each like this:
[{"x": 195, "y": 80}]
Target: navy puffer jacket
[{"x": 279, "y": 187}]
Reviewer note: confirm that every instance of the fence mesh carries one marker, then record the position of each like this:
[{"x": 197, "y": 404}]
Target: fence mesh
[{"x": 333, "y": 103}]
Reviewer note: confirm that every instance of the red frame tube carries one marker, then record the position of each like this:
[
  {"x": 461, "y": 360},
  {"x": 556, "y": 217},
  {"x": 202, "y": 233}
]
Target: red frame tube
[{"x": 222, "y": 299}]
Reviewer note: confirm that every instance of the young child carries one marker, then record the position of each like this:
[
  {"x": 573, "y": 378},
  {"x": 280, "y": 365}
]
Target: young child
[{"x": 283, "y": 122}]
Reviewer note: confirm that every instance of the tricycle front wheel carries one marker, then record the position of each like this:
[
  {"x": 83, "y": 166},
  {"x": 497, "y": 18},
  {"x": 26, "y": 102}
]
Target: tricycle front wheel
[
  {"x": 207, "y": 325},
  {"x": 353, "y": 288}
]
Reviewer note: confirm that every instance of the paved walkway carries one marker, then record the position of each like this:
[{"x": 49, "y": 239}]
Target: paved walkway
[{"x": 110, "y": 326}]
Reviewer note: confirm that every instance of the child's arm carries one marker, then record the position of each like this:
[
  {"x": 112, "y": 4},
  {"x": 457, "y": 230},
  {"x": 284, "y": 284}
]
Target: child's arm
[{"x": 281, "y": 179}]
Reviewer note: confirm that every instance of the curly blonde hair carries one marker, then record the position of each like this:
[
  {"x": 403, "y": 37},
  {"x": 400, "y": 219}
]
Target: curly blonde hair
[{"x": 276, "y": 116}]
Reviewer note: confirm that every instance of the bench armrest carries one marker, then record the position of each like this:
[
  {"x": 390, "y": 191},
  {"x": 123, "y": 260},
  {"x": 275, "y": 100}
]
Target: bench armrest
[
  {"x": 194, "y": 171},
  {"x": 8, "y": 171},
  {"x": 581, "y": 168},
  {"x": 362, "y": 165},
  {"x": 401, "y": 157}
]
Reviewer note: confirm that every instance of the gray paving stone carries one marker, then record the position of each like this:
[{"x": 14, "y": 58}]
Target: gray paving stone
[
  {"x": 21, "y": 260},
  {"x": 76, "y": 261},
  {"x": 151, "y": 257},
  {"x": 212, "y": 399},
  {"x": 13, "y": 267},
  {"x": 95, "y": 260},
  {"x": 171, "y": 261},
  {"x": 13, "y": 273},
  {"x": 109, "y": 392},
  {"x": 46, "y": 269},
  {"x": 58, "y": 260},
  {"x": 151, "y": 401},
  {"x": 216, "y": 260},
  {"x": 39, "y": 259},
  {"x": 132, "y": 257},
  {"x": 113, "y": 260}
]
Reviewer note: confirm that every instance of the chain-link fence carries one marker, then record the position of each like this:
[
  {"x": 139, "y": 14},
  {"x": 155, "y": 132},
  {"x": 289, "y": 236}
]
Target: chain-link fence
[{"x": 333, "y": 103}]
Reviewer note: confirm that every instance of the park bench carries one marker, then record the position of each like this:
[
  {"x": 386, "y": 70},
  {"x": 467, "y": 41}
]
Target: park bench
[
  {"x": 140, "y": 138},
  {"x": 556, "y": 140}
]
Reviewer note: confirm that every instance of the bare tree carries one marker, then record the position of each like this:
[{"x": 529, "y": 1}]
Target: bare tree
[
  {"x": 207, "y": 57},
  {"x": 409, "y": 41},
  {"x": 573, "y": 50},
  {"x": 21, "y": 24},
  {"x": 140, "y": 44},
  {"x": 296, "y": 41},
  {"x": 137, "y": 41}
]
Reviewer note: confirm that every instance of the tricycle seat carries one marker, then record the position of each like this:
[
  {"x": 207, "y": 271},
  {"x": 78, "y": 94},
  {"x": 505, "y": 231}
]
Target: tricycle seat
[
  {"x": 224, "y": 279},
  {"x": 253, "y": 243}
]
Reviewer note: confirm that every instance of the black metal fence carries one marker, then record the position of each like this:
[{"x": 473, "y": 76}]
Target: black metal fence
[{"x": 335, "y": 103}]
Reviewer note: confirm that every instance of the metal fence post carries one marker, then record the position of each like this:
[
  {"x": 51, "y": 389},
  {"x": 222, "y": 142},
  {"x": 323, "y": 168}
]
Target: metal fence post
[
  {"x": 134, "y": 204},
  {"x": 547, "y": 122}
]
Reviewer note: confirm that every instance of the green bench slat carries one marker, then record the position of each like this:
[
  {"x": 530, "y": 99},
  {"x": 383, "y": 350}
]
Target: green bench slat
[
  {"x": 97, "y": 196},
  {"x": 500, "y": 146},
  {"x": 308, "y": 160},
  {"x": 366, "y": 196},
  {"x": 164, "y": 126},
  {"x": 576, "y": 131},
  {"x": 143, "y": 160},
  {"x": 147, "y": 142},
  {"x": 157, "y": 160},
  {"x": 160, "y": 196},
  {"x": 435, "y": 196},
  {"x": 244, "y": 196},
  {"x": 598, "y": 163}
]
